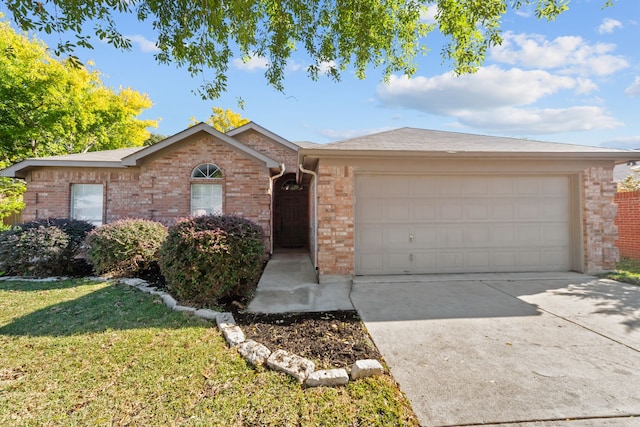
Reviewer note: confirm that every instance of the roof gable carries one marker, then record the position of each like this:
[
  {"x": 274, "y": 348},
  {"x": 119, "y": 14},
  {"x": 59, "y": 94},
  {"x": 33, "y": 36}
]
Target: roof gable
[
  {"x": 136, "y": 158},
  {"x": 133, "y": 156},
  {"x": 257, "y": 128}
]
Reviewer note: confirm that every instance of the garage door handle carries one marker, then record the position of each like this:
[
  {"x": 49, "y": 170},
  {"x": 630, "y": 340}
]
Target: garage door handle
[{"x": 411, "y": 237}]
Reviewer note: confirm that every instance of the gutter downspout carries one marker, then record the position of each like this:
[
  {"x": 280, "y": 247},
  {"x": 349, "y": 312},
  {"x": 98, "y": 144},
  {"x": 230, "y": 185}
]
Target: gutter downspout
[
  {"x": 271, "y": 181},
  {"x": 315, "y": 215}
]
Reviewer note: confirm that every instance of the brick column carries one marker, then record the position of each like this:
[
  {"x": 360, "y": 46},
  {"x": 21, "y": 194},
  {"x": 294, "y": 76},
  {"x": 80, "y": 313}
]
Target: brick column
[
  {"x": 599, "y": 214},
  {"x": 335, "y": 223}
]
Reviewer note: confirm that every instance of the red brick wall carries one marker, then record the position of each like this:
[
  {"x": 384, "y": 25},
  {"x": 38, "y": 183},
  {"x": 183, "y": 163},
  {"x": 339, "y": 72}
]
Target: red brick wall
[
  {"x": 628, "y": 222},
  {"x": 160, "y": 189},
  {"x": 267, "y": 147}
]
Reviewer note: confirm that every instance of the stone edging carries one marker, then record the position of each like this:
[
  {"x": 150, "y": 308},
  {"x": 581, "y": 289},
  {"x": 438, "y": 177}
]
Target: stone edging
[{"x": 256, "y": 354}]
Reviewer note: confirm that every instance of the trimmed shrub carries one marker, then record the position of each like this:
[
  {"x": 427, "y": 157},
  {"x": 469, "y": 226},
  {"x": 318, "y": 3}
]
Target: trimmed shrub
[
  {"x": 46, "y": 247},
  {"x": 127, "y": 247},
  {"x": 208, "y": 258}
]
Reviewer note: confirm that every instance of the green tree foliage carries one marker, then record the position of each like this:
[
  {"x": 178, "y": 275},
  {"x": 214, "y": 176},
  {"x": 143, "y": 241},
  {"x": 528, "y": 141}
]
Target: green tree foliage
[
  {"x": 154, "y": 138},
  {"x": 207, "y": 35},
  {"x": 630, "y": 183},
  {"x": 11, "y": 201},
  {"x": 49, "y": 106},
  {"x": 222, "y": 120}
]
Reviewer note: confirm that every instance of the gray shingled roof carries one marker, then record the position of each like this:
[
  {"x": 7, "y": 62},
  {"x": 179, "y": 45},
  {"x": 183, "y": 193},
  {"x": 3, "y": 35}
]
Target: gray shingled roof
[
  {"x": 96, "y": 156},
  {"x": 306, "y": 144},
  {"x": 412, "y": 139}
]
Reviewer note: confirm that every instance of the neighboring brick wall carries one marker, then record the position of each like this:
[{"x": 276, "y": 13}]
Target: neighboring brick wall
[
  {"x": 628, "y": 222},
  {"x": 335, "y": 221},
  {"x": 161, "y": 188},
  {"x": 599, "y": 214}
]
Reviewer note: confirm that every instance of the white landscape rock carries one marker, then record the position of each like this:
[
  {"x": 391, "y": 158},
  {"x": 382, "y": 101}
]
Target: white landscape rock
[
  {"x": 292, "y": 364},
  {"x": 328, "y": 378},
  {"x": 225, "y": 320},
  {"x": 168, "y": 300},
  {"x": 366, "y": 368},
  {"x": 233, "y": 335},
  {"x": 133, "y": 281},
  {"x": 184, "y": 308},
  {"x": 254, "y": 353},
  {"x": 205, "y": 313}
]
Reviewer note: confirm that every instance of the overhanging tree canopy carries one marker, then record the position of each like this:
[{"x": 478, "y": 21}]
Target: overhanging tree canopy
[{"x": 204, "y": 35}]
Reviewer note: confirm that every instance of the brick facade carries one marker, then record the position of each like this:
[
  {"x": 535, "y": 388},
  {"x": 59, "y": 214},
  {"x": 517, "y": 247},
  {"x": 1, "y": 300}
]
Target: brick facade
[
  {"x": 628, "y": 222},
  {"x": 335, "y": 221},
  {"x": 599, "y": 213},
  {"x": 160, "y": 189}
]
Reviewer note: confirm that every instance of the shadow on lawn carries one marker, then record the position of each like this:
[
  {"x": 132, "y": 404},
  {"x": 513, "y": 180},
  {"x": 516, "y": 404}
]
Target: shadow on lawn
[{"x": 115, "y": 307}]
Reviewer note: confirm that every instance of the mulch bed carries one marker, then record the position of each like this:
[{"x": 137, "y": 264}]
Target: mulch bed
[
  {"x": 331, "y": 339},
  {"x": 334, "y": 339}
]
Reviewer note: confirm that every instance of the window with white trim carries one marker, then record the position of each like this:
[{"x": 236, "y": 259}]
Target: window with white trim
[
  {"x": 87, "y": 202},
  {"x": 206, "y": 190}
]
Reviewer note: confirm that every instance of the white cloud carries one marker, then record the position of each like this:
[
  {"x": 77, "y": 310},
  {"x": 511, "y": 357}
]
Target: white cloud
[
  {"x": 143, "y": 43},
  {"x": 634, "y": 88},
  {"x": 498, "y": 100},
  {"x": 609, "y": 25},
  {"x": 540, "y": 121},
  {"x": 428, "y": 14},
  {"x": 491, "y": 87},
  {"x": 627, "y": 143},
  {"x": 340, "y": 134},
  {"x": 566, "y": 54},
  {"x": 251, "y": 63},
  {"x": 326, "y": 66}
]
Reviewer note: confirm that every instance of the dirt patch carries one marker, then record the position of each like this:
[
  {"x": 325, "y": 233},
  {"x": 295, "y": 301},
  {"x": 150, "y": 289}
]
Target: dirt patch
[{"x": 331, "y": 339}]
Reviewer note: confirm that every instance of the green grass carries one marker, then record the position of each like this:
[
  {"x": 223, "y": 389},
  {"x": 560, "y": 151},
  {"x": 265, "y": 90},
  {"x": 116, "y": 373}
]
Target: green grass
[
  {"x": 77, "y": 353},
  {"x": 627, "y": 270}
]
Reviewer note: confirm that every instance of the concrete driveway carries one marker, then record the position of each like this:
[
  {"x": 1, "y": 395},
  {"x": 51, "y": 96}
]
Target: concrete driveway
[{"x": 543, "y": 349}]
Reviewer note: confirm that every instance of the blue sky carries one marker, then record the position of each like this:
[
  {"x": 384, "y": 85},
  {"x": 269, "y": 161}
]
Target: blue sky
[{"x": 574, "y": 80}]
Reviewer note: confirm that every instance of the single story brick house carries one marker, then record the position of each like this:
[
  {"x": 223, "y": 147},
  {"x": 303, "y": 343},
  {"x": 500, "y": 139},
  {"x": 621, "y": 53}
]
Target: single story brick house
[{"x": 406, "y": 201}]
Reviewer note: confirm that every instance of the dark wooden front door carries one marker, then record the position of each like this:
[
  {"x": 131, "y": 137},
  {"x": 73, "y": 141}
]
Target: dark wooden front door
[{"x": 290, "y": 214}]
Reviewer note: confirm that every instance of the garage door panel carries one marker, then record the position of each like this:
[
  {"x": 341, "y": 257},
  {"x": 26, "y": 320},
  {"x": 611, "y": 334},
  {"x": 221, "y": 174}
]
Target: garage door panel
[
  {"x": 399, "y": 210},
  {"x": 450, "y": 210},
  {"x": 423, "y": 210},
  {"x": 477, "y": 235},
  {"x": 442, "y": 224},
  {"x": 477, "y": 210},
  {"x": 371, "y": 209}
]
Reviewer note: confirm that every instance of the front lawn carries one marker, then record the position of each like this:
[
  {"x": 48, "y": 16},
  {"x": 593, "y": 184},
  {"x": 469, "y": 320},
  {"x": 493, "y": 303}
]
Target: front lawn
[
  {"x": 627, "y": 270},
  {"x": 80, "y": 352}
]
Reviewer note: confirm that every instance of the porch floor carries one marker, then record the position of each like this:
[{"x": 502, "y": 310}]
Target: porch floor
[{"x": 288, "y": 285}]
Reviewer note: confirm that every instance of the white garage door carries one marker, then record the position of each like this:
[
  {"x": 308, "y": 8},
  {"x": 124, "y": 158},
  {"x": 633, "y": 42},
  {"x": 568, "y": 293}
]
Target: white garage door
[{"x": 408, "y": 224}]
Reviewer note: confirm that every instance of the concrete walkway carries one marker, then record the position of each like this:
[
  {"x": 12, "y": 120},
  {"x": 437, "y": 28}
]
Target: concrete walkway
[
  {"x": 288, "y": 284},
  {"x": 554, "y": 349}
]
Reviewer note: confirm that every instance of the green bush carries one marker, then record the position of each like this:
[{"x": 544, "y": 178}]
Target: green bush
[
  {"x": 208, "y": 258},
  {"x": 46, "y": 247},
  {"x": 127, "y": 247}
]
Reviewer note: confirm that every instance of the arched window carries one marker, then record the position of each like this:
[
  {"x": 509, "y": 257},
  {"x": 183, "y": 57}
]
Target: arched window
[
  {"x": 206, "y": 170},
  {"x": 206, "y": 197}
]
